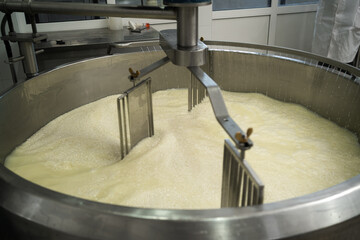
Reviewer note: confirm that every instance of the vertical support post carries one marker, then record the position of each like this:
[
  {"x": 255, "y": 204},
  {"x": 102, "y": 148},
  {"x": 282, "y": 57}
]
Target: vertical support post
[
  {"x": 10, "y": 22},
  {"x": 29, "y": 63},
  {"x": 187, "y": 27},
  {"x": 135, "y": 115},
  {"x": 33, "y": 24},
  {"x": 7, "y": 18}
]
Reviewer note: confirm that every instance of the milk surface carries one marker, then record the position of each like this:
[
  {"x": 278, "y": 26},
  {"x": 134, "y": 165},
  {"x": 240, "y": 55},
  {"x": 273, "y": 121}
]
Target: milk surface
[{"x": 295, "y": 152}]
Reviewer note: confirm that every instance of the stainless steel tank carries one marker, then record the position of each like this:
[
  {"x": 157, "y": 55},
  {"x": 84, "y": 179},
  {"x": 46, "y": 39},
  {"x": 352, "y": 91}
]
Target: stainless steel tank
[{"x": 28, "y": 211}]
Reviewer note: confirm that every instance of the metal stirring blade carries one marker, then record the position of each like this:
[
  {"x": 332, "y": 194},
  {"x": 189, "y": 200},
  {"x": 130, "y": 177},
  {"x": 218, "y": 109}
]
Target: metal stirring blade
[{"x": 135, "y": 116}]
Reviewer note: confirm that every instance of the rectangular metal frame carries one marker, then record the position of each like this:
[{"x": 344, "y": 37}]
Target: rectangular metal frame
[
  {"x": 240, "y": 184},
  {"x": 135, "y": 118}
]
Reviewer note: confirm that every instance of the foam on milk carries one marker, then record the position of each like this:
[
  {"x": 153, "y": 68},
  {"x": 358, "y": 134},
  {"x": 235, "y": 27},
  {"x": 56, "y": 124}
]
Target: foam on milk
[{"x": 296, "y": 152}]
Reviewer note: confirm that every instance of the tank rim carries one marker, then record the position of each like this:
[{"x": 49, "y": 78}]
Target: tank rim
[{"x": 341, "y": 200}]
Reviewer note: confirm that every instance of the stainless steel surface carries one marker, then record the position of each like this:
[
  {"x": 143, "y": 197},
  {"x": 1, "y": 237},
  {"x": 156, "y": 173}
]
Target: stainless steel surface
[
  {"x": 29, "y": 62},
  {"x": 32, "y": 212},
  {"x": 182, "y": 45},
  {"x": 316, "y": 88},
  {"x": 24, "y": 37},
  {"x": 135, "y": 116},
  {"x": 132, "y": 44},
  {"x": 135, "y": 44},
  {"x": 85, "y": 9},
  {"x": 298, "y": 53},
  {"x": 123, "y": 115},
  {"x": 239, "y": 180},
  {"x": 187, "y": 27},
  {"x": 70, "y": 46},
  {"x": 194, "y": 56},
  {"x": 219, "y": 107},
  {"x": 100, "y": 36}
]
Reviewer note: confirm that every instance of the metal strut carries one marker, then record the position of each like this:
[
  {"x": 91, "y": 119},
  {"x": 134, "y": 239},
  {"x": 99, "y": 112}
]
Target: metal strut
[
  {"x": 135, "y": 111},
  {"x": 220, "y": 110},
  {"x": 148, "y": 69},
  {"x": 240, "y": 184}
]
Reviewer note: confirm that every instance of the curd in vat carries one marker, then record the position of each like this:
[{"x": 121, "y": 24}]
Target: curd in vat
[{"x": 295, "y": 152}]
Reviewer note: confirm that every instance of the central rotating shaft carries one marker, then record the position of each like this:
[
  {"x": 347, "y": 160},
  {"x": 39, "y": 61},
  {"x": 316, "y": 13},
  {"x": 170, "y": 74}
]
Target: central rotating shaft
[
  {"x": 187, "y": 20},
  {"x": 187, "y": 24},
  {"x": 183, "y": 48}
]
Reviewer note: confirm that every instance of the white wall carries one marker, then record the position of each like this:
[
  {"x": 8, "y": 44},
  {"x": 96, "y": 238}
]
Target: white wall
[
  {"x": 295, "y": 30},
  {"x": 249, "y": 29},
  {"x": 286, "y": 26}
]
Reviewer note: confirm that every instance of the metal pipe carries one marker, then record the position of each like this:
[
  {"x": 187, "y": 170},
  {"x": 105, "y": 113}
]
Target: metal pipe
[
  {"x": 187, "y": 26},
  {"x": 33, "y": 24},
  {"x": 357, "y": 59},
  {"x": 146, "y": 70},
  {"x": 10, "y": 22},
  {"x": 15, "y": 59},
  {"x": 7, "y": 18},
  {"x": 86, "y": 9},
  {"x": 219, "y": 108},
  {"x": 29, "y": 63}
]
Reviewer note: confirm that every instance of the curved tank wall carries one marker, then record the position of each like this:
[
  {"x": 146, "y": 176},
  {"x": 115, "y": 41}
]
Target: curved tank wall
[{"x": 29, "y": 211}]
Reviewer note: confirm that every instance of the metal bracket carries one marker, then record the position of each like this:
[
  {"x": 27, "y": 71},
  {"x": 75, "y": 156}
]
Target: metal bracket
[
  {"x": 137, "y": 75},
  {"x": 14, "y": 60},
  {"x": 135, "y": 116},
  {"x": 24, "y": 37},
  {"x": 191, "y": 56},
  {"x": 239, "y": 181},
  {"x": 220, "y": 110}
]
